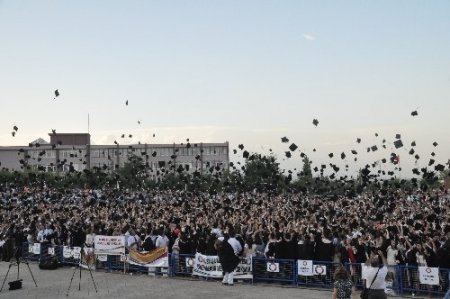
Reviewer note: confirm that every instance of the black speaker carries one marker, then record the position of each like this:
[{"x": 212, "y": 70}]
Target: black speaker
[{"x": 15, "y": 285}]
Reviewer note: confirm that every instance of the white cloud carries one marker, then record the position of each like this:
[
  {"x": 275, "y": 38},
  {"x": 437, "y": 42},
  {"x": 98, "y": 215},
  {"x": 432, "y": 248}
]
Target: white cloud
[{"x": 308, "y": 36}]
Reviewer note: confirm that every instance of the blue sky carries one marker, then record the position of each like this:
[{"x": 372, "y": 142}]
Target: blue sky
[{"x": 244, "y": 71}]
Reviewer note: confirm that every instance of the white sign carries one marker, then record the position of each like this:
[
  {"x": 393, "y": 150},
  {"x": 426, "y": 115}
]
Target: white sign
[
  {"x": 37, "y": 248},
  {"x": 320, "y": 270},
  {"x": 305, "y": 267},
  {"x": 51, "y": 251},
  {"x": 209, "y": 266},
  {"x": 273, "y": 267},
  {"x": 111, "y": 245},
  {"x": 364, "y": 269},
  {"x": 31, "y": 248},
  {"x": 67, "y": 252},
  {"x": 429, "y": 276},
  {"x": 76, "y": 253},
  {"x": 102, "y": 257},
  {"x": 190, "y": 262}
]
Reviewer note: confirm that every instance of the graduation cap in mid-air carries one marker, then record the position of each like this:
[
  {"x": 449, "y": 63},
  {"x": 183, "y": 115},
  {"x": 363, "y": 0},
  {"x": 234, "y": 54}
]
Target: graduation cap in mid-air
[
  {"x": 414, "y": 113},
  {"x": 56, "y": 93},
  {"x": 431, "y": 162},
  {"x": 439, "y": 167},
  {"x": 398, "y": 143},
  {"x": 411, "y": 151},
  {"x": 416, "y": 171},
  {"x": 413, "y": 143},
  {"x": 433, "y": 154},
  {"x": 241, "y": 146},
  {"x": 374, "y": 148},
  {"x": 293, "y": 147},
  {"x": 288, "y": 154},
  {"x": 354, "y": 152},
  {"x": 398, "y": 136},
  {"x": 330, "y": 155},
  {"x": 342, "y": 155},
  {"x": 315, "y": 122},
  {"x": 245, "y": 154},
  {"x": 126, "y": 103},
  {"x": 358, "y": 140},
  {"x": 284, "y": 140},
  {"x": 435, "y": 144}
]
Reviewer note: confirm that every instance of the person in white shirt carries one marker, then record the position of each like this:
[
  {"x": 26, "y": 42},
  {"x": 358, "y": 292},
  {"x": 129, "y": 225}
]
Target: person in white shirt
[
  {"x": 161, "y": 240},
  {"x": 376, "y": 276}
]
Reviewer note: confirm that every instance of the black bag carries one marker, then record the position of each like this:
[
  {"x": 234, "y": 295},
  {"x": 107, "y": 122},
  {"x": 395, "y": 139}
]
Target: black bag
[
  {"x": 15, "y": 285},
  {"x": 365, "y": 291},
  {"x": 48, "y": 264}
]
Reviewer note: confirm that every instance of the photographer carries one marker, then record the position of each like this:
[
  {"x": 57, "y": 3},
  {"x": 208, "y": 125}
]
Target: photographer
[{"x": 376, "y": 275}]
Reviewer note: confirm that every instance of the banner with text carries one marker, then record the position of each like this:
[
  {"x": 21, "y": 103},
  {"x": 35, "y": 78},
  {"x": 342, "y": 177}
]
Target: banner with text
[
  {"x": 209, "y": 266},
  {"x": 111, "y": 245}
]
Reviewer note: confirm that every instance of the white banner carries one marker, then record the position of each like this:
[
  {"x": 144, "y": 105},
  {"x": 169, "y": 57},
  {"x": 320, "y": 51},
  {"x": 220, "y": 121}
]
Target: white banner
[
  {"x": 37, "y": 248},
  {"x": 161, "y": 262},
  {"x": 111, "y": 245},
  {"x": 320, "y": 270},
  {"x": 209, "y": 266},
  {"x": 305, "y": 267},
  {"x": 429, "y": 276},
  {"x": 273, "y": 267}
]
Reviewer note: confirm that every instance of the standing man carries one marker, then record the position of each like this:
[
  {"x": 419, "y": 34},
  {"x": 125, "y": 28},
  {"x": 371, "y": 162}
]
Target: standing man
[{"x": 228, "y": 254}]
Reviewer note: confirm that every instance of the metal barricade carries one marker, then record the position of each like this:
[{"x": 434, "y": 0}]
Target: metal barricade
[
  {"x": 322, "y": 276},
  {"x": 182, "y": 264},
  {"x": 276, "y": 270},
  {"x": 410, "y": 282}
]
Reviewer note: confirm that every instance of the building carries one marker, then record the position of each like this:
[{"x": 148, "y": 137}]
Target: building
[{"x": 67, "y": 152}]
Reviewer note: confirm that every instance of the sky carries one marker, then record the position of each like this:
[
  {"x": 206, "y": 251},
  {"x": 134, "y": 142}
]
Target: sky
[{"x": 246, "y": 72}]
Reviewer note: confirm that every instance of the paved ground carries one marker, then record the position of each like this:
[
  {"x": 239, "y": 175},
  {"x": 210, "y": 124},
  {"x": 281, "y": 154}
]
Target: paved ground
[{"x": 54, "y": 284}]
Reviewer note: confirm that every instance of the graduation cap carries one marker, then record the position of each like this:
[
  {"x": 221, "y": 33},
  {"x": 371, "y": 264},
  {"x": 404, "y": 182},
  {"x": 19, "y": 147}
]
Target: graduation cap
[
  {"x": 293, "y": 147},
  {"x": 15, "y": 128},
  {"x": 376, "y": 134},
  {"x": 241, "y": 146},
  {"x": 330, "y": 155},
  {"x": 398, "y": 136},
  {"x": 126, "y": 103},
  {"x": 123, "y": 136},
  {"x": 154, "y": 154},
  {"x": 413, "y": 143},
  {"x": 439, "y": 167},
  {"x": 431, "y": 162},
  {"x": 433, "y": 154},
  {"x": 354, "y": 152},
  {"x": 56, "y": 94},
  {"x": 302, "y": 155},
  {"x": 315, "y": 122},
  {"x": 383, "y": 160},
  {"x": 314, "y": 150},
  {"x": 13, "y": 133},
  {"x": 374, "y": 148},
  {"x": 414, "y": 113},
  {"x": 435, "y": 144},
  {"x": 342, "y": 155},
  {"x": 115, "y": 142},
  {"x": 235, "y": 151},
  {"x": 130, "y": 136},
  {"x": 335, "y": 168},
  {"x": 316, "y": 169},
  {"x": 417, "y": 157},
  {"x": 416, "y": 171},
  {"x": 398, "y": 143},
  {"x": 368, "y": 149},
  {"x": 411, "y": 151},
  {"x": 139, "y": 122},
  {"x": 288, "y": 154},
  {"x": 153, "y": 135},
  {"x": 358, "y": 140},
  {"x": 284, "y": 140},
  {"x": 245, "y": 154}
]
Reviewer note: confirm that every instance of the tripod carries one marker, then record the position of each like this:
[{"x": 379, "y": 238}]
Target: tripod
[
  {"x": 17, "y": 263},
  {"x": 79, "y": 269}
]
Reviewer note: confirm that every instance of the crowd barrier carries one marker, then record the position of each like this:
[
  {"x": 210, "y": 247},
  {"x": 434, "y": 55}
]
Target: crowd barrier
[{"x": 401, "y": 280}]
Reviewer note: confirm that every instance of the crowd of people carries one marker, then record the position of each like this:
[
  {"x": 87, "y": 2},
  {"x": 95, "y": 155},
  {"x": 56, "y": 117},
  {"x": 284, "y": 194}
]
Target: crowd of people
[{"x": 409, "y": 228}]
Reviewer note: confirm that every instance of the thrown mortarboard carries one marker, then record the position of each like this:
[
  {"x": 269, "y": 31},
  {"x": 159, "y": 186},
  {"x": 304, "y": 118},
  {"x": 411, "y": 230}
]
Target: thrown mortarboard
[
  {"x": 374, "y": 148},
  {"x": 153, "y": 134},
  {"x": 358, "y": 140},
  {"x": 241, "y": 146},
  {"x": 330, "y": 155},
  {"x": 398, "y": 136},
  {"x": 314, "y": 150},
  {"x": 284, "y": 140},
  {"x": 302, "y": 155},
  {"x": 411, "y": 151},
  {"x": 368, "y": 149},
  {"x": 115, "y": 142},
  {"x": 15, "y": 128},
  {"x": 416, "y": 171},
  {"x": 288, "y": 154},
  {"x": 315, "y": 122},
  {"x": 417, "y": 157},
  {"x": 398, "y": 143},
  {"x": 245, "y": 154},
  {"x": 414, "y": 113},
  {"x": 435, "y": 144},
  {"x": 126, "y": 103},
  {"x": 13, "y": 133},
  {"x": 315, "y": 169},
  {"x": 154, "y": 154},
  {"x": 354, "y": 152},
  {"x": 383, "y": 160},
  {"x": 433, "y": 154},
  {"x": 413, "y": 143},
  {"x": 376, "y": 134},
  {"x": 439, "y": 167},
  {"x": 293, "y": 147},
  {"x": 56, "y": 94},
  {"x": 431, "y": 162},
  {"x": 342, "y": 155},
  {"x": 235, "y": 151},
  {"x": 130, "y": 136}
]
